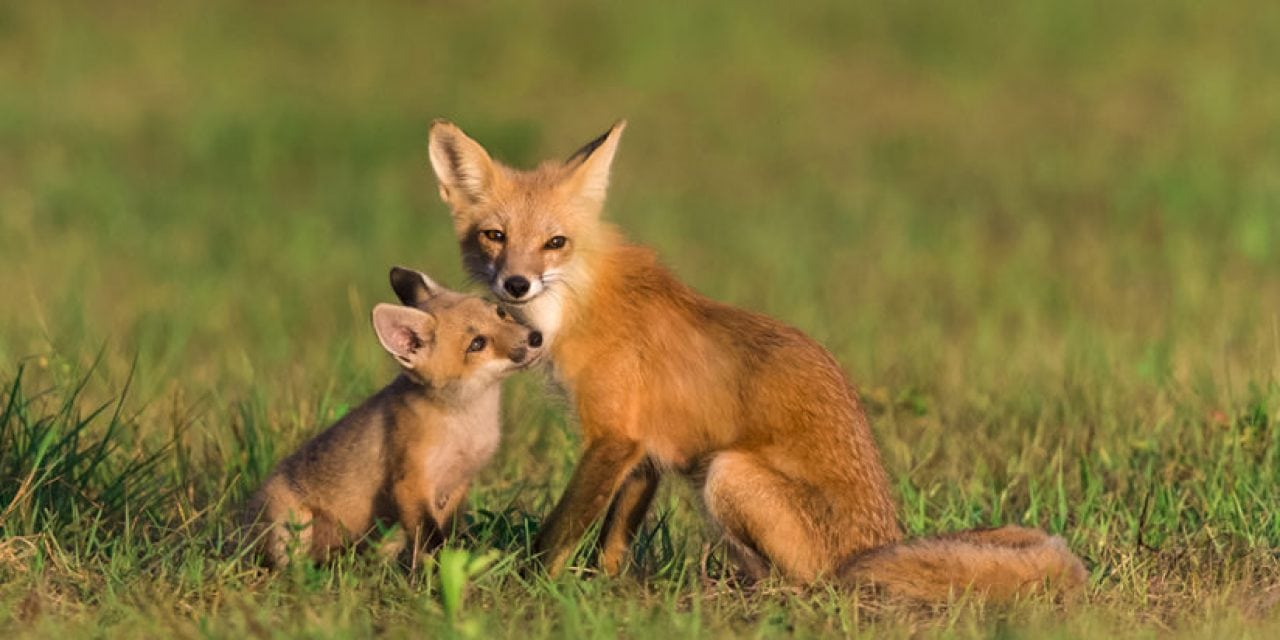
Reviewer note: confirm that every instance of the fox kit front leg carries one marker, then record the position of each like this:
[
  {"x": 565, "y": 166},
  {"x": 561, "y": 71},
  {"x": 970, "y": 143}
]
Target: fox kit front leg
[
  {"x": 448, "y": 511},
  {"x": 423, "y": 525},
  {"x": 605, "y": 465},
  {"x": 421, "y": 530}
]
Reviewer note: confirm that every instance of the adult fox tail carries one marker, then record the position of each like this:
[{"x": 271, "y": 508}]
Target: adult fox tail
[{"x": 1000, "y": 564}]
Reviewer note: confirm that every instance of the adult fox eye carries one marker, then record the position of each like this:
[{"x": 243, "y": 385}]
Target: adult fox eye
[
  {"x": 494, "y": 235},
  {"x": 556, "y": 242},
  {"x": 477, "y": 344}
]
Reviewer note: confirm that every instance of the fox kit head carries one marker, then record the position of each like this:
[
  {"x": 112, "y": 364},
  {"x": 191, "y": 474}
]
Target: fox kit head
[
  {"x": 458, "y": 345},
  {"x": 524, "y": 233}
]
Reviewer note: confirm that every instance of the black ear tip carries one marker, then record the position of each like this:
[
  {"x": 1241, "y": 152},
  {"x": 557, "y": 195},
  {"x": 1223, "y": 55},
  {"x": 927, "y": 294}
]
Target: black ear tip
[
  {"x": 412, "y": 287},
  {"x": 590, "y": 148},
  {"x": 406, "y": 284},
  {"x": 397, "y": 275}
]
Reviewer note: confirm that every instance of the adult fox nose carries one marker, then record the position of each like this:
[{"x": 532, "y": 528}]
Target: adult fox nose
[
  {"x": 517, "y": 286},
  {"x": 535, "y": 339}
]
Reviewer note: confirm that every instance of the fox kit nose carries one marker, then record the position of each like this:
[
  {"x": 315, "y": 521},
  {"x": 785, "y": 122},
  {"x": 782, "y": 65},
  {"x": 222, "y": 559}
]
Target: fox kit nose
[
  {"x": 517, "y": 286},
  {"x": 517, "y": 354},
  {"x": 535, "y": 339}
]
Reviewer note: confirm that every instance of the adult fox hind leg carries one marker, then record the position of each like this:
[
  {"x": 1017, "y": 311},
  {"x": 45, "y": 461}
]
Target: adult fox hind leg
[
  {"x": 625, "y": 516},
  {"x": 762, "y": 515}
]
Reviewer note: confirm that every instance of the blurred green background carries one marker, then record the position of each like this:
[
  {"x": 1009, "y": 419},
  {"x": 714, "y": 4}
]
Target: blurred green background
[
  {"x": 944, "y": 195},
  {"x": 1037, "y": 234}
]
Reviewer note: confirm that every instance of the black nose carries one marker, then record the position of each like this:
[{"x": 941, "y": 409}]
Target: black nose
[
  {"x": 517, "y": 354},
  {"x": 535, "y": 339},
  {"x": 516, "y": 285}
]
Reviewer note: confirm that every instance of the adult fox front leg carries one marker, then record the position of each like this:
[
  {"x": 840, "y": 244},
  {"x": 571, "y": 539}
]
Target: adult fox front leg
[
  {"x": 625, "y": 515},
  {"x": 605, "y": 466},
  {"x": 611, "y": 480},
  {"x": 756, "y": 413}
]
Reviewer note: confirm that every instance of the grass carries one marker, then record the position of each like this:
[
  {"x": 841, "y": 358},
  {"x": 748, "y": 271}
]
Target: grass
[{"x": 1042, "y": 237}]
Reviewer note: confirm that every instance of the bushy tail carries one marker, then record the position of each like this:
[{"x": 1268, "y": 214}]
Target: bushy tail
[{"x": 1000, "y": 564}]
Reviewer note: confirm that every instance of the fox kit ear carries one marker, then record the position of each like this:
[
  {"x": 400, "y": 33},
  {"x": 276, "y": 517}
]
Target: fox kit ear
[
  {"x": 413, "y": 287},
  {"x": 463, "y": 167},
  {"x": 589, "y": 166},
  {"x": 406, "y": 333}
]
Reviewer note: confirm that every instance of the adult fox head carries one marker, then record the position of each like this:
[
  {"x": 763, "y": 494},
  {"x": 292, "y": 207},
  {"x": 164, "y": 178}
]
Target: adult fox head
[
  {"x": 524, "y": 233},
  {"x": 457, "y": 344}
]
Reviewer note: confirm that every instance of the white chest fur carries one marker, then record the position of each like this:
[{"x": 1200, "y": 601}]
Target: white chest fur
[
  {"x": 471, "y": 438},
  {"x": 544, "y": 313}
]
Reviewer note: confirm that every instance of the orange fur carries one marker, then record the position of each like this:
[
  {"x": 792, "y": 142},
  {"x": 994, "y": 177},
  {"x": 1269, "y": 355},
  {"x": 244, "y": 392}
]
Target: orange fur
[
  {"x": 756, "y": 413},
  {"x": 997, "y": 567}
]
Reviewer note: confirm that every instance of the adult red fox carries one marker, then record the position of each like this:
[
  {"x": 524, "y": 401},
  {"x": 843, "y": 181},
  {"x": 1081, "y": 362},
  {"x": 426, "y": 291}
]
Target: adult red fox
[{"x": 758, "y": 415}]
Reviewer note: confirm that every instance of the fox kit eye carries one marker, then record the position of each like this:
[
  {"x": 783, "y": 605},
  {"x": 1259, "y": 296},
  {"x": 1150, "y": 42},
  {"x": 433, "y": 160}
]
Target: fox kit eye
[
  {"x": 495, "y": 235},
  {"x": 501, "y": 313},
  {"x": 556, "y": 242},
  {"x": 477, "y": 345}
]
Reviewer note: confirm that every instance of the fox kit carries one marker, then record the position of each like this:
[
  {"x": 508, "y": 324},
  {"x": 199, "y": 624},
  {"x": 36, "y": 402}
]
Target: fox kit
[
  {"x": 407, "y": 455},
  {"x": 758, "y": 415}
]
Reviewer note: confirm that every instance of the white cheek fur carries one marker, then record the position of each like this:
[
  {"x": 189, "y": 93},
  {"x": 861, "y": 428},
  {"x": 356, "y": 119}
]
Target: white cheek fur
[
  {"x": 545, "y": 313},
  {"x": 484, "y": 377}
]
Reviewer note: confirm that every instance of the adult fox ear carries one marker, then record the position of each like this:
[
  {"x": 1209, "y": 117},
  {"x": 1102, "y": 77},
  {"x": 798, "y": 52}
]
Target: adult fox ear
[
  {"x": 406, "y": 333},
  {"x": 413, "y": 287},
  {"x": 463, "y": 168},
  {"x": 589, "y": 166}
]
